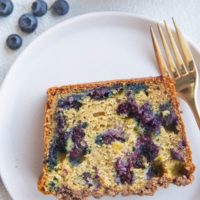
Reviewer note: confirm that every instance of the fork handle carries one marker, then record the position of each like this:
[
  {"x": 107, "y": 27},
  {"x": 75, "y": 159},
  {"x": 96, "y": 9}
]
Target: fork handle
[{"x": 195, "y": 109}]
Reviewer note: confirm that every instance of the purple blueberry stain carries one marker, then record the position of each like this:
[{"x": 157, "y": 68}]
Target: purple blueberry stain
[
  {"x": 153, "y": 126},
  {"x": 80, "y": 148},
  {"x": 87, "y": 177},
  {"x": 76, "y": 154},
  {"x": 128, "y": 108},
  {"x": 170, "y": 120},
  {"x": 61, "y": 139},
  {"x": 91, "y": 180},
  {"x": 145, "y": 149},
  {"x": 73, "y": 101},
  {"x": 78, "y": 134},
  {"x": 100, "y": 93},
  {"x": 144, "y": 115},
  {"x": 182, "y": 144},
  {"x": 60, "y": 119},
  {"x": 176, "y": 155},
  {"x": 123, "y": 171},
  {"x": 52, "y": 156},
  {"x": 59, "y": 144},
  {"x": 104, "y": 92},
  {"x": 149, "y": 120},
  {"x": 109, "y": 136},
  {"x": 136, "y": 87}
]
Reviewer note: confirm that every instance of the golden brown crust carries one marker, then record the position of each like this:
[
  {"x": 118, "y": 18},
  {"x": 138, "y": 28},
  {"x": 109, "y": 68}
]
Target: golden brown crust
[{"x": 151, "y": 186}]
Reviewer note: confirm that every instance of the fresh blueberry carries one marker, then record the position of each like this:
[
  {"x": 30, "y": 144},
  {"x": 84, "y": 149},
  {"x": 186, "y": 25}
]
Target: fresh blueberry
[
  {"x": 28, "y": 23},
  {"x": 60, "y": 7},
  {"x": 6, "y": 7},
  {"x": 14, "y": 41},
  {"x": 39, "y": 8}
]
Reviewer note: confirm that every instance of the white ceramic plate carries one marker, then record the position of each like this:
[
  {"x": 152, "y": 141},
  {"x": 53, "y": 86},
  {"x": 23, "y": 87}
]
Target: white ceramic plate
[{"x": 93, "y": 47}]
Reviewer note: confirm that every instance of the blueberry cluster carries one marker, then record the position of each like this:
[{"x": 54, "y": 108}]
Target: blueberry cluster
[
  {"x": 28, "y": 22},
  {"x": 145, "y": 151},
  {"x": 59, "y": 144},
  {"x": 100, "y": 93},
  {"x": 144, "y": 115},
  {"x": 80, "y": 146}
]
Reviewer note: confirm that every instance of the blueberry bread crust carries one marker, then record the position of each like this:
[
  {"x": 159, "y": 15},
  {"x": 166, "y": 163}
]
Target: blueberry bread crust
[{"x": 139, "y": 165}]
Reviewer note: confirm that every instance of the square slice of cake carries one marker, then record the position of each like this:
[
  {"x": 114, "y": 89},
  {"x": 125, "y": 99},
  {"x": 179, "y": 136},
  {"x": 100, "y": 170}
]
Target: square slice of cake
[{"x": 116, "y": 137}]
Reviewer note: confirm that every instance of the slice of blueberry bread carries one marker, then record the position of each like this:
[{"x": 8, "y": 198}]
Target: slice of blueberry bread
[{"x": 118, "y": 137}]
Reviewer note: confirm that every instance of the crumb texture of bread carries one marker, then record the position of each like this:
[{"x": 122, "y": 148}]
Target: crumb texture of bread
[{"x": 115, "y": 137}]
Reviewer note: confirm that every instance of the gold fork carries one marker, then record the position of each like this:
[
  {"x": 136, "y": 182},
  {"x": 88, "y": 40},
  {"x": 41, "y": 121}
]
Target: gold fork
[{"x": 184, "y": 73}]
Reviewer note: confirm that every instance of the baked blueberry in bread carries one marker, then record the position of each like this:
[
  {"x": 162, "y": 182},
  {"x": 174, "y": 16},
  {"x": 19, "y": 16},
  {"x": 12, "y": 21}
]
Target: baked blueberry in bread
[{"x": 117, "y": 137}]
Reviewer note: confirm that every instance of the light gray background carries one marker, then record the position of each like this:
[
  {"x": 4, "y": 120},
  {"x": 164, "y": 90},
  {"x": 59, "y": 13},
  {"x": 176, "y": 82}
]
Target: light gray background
[{"x": 186, "y": 12}]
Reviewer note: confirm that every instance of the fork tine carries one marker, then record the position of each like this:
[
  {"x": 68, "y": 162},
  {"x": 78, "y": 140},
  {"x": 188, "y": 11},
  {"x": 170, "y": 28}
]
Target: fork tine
[
  {"x": 160, "y": 60},
  {"x": 185, "y": 48},
  {"x": 172, "y": 67},
  {"x": 181, "y": 65}
]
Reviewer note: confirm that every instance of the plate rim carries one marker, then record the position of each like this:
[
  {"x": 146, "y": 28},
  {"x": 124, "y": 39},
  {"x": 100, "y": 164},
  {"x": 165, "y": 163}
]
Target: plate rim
[{"x": 67, "y": 22}]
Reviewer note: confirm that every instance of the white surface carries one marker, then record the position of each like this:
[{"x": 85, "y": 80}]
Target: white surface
[
  {"x": 186, "y": 12},
  {"x": 90, "y": 48}
]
